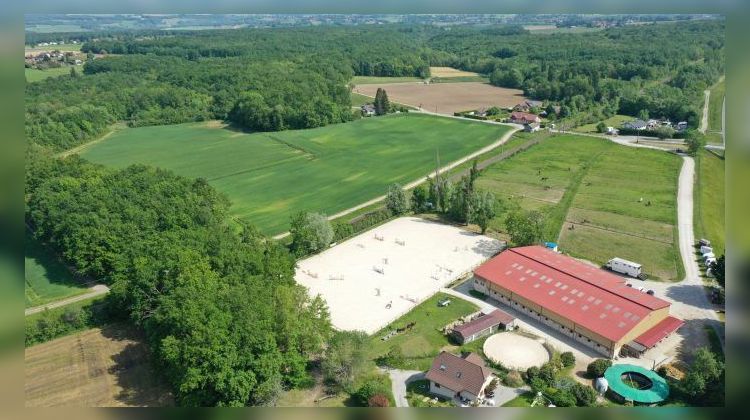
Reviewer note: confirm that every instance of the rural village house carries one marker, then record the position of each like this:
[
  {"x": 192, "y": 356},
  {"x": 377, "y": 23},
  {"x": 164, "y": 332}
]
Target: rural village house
[
  {"x": 463, "y": 377},
  {"x": 524, "y": 118}
]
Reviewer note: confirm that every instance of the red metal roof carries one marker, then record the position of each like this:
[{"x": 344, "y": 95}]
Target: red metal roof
[
  {"x": 667, "y": 326},
  {"x": 523, "y": 116},
  {"x": 588, "y": 296},
  {"x": 483, "y": 322}
]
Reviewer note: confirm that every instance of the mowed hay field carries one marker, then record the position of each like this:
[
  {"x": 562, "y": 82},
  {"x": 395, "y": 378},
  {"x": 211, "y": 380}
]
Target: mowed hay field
[
  {"x": 595, "y": 185},
  {"x": 609, "y": 220},
  {"x": 270, "y": 176},
  {"x": 100, "y": 367},
  {"x": 47, "y": 279},
  {"x": 446, "y": 98},
  {"x": 540, "y": 177}
]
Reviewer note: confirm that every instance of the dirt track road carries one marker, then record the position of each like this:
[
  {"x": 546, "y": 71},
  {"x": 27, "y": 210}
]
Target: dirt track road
[{"x": 96, "y": 290}]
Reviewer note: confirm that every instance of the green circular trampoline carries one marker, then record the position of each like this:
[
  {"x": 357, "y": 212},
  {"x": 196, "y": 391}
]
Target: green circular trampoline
[{"x": 637, "y": 384}]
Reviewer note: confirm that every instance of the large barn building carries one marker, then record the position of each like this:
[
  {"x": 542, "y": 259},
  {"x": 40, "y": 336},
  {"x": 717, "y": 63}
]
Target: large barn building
[{"x": 593, "y": 306}]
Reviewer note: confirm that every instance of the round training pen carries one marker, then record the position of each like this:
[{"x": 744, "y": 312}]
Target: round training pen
[{"x": 637, "y": 384}]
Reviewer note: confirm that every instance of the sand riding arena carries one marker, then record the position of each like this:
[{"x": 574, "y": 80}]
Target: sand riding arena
[{"x": 372, "y": 279}]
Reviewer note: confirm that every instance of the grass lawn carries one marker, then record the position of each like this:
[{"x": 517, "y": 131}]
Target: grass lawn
[
  {"x": 424, "y": 341},
  {"x": 715, "y": 102},
  {"x": 709, "y": 202},
  {"x": 611, "y": 221},
  {"x": 368, "y": 80},
  {"x": 270, "y": 176},
  {"x": 47, "y": 279},
  {"x": 35, "y": 75},
  {"x": 359, "y": 100},
  {"x": 614, "y": 121},
  {"x": 523, "y": 400}
]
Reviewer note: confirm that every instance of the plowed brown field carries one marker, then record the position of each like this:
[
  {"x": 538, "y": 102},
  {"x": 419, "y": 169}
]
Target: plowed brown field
[
  {"x": 446, "y": 98},
  {"x": 100, "y": 367}
]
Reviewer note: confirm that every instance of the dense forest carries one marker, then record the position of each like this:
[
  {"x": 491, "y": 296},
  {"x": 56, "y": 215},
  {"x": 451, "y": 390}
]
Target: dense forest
[
  {"x": 660, "y": 68},
  {"x": 222, "y": 313}
]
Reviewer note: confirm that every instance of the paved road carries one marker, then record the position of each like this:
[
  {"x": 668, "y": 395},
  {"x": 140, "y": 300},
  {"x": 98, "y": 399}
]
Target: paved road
[
  {"x": 96, "y": 290},
  {"x": 399, "y": 379},
  {"x": 502, "y": 140}
]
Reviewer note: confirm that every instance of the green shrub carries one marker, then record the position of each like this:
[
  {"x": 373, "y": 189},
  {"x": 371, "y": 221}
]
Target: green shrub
[
  {"x": 568, "y": 359},
  {"x": 597, "y": 368}
]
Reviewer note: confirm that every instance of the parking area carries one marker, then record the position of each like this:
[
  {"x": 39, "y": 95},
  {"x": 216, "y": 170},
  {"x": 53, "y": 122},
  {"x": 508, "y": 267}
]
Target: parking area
[{"x": 372, "y": 279}]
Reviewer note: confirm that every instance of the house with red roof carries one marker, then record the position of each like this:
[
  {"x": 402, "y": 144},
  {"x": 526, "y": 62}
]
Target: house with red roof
[
  {"x": 518, "y": 117},
  {"x": 461, "y": 377},
  {"x": 591, "y": 305}
]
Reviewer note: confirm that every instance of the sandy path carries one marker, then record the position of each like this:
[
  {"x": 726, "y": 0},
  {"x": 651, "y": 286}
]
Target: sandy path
[
  {"x": 502, "y": 140},
  {"x": 96, "y": 290},
  {"x": 704, "y": 118}
]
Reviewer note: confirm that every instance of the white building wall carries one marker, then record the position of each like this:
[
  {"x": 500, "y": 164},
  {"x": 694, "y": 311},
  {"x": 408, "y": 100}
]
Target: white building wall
[{"x": 441, "y": 390}]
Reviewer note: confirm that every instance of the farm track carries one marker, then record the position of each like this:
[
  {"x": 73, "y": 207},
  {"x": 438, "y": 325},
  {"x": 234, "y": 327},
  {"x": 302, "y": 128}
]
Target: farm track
[{"x": 96, "y": 290}]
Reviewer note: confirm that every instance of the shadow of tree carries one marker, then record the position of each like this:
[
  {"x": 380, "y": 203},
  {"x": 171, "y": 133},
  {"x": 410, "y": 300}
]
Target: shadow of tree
[{"x": 134, "y": 372}]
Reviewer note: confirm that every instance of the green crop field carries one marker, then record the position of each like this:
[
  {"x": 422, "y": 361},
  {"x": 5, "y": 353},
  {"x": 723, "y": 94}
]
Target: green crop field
[
  {"x": 46, "y": 278},
  {"x": 35, "y": 75},
  {"x": 709, "y": 200},
  {"x": 596, "y": 186},
  {"x": 270, "y": 176}
]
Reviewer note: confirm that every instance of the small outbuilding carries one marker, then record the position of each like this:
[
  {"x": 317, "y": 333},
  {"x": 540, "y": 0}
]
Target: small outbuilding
[{"x": 483, "y": 325}]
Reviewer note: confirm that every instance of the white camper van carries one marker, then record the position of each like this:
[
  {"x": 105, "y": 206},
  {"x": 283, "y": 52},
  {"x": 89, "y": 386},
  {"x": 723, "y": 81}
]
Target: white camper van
[{"x": 625, "y": 267}]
